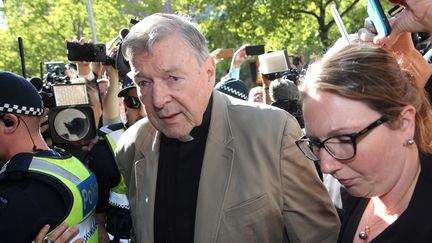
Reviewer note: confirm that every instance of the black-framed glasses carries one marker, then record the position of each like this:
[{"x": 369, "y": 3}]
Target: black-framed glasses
[
  {"x": 132, "y": 102},
  {"x": 340, "y": 147}
]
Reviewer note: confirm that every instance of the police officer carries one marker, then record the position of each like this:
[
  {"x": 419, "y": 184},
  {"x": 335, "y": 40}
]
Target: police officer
[
  {"x": 38, "y": 186},
  {"x": 118, "y": 221}
]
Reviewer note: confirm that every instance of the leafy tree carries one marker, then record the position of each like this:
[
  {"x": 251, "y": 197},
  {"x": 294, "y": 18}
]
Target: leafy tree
[
  {"x": 298, "y": 26},
  {"x": 45, "y": 24}
]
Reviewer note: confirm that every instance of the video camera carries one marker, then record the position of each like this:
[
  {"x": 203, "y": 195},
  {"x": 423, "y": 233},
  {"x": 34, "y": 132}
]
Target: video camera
[
  {"x": 56, "y": 73},
  {"x": 70, "y": 117},
  {"x": 276, "y": 65},
  {"x": 91, "y": 52}
]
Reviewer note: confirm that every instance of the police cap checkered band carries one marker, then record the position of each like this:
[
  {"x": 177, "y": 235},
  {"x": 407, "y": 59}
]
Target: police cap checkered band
[
  {"x": 19, "y": 96},
  {"x": 24, "y": 110},
  {"x": 233, "y": 87}
]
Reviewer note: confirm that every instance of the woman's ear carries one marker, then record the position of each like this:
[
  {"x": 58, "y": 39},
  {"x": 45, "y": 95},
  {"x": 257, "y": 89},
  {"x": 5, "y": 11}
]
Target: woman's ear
[{"x": 408, "y": 121}]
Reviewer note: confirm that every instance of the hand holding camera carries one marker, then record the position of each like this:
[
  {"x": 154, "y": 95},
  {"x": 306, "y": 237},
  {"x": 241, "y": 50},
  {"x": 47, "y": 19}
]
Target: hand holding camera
[{"x": 240, "y": 56}]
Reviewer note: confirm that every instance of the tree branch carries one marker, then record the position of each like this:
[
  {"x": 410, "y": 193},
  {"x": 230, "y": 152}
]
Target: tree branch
[
  {"x": 304, "y": 12},
  {"x": 347, "y": 10},
  {"x": 350, "y": 7},
  {"x": 330, "y": 1}
]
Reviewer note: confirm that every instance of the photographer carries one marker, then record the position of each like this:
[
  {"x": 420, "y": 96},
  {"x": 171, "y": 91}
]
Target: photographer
[
  {"x": 53, "y": 180},
  {"x": 112, "y": 215},
  {"x": 285, "y": 95},
  {"x": 118, "y": 222}
]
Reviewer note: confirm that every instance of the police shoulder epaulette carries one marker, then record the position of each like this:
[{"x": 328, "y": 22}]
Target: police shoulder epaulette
[{"x": 110, "y": 128}]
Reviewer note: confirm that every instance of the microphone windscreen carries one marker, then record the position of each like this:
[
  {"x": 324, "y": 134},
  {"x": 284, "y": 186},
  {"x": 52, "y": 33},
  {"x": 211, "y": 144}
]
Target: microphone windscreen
[
  {"x": 124, "y": 32},
  {"x": 37, "y": 83}
]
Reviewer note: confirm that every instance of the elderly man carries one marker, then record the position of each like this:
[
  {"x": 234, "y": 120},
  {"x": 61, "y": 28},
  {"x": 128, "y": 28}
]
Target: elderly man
[{"x": 205, "y": 167}]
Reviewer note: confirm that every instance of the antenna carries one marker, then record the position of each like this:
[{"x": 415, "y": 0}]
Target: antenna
[
  {"x": 41, "y": 70},
  {"x": 21, "y": 52},
  {"x": 339, "y": 23}
]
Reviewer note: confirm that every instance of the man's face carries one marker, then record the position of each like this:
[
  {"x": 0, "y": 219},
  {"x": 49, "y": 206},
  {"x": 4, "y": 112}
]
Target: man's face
[
  {"x": 134, "y": 114},
  {"x": 173, "y": 86}
]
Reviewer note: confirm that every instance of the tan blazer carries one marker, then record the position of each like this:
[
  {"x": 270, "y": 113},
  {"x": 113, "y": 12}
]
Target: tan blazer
[{"x": 255, "y": 183}]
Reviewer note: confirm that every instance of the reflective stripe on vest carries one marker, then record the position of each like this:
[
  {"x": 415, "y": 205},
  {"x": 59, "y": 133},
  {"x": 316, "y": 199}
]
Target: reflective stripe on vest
[
  {"x": 83, "y": 186},
  {"x": 118, "y": 193},
  {"x": 113, "y": 138},
  {"x": 111, "y": 237},
  {"x": 118, "y": 200}
]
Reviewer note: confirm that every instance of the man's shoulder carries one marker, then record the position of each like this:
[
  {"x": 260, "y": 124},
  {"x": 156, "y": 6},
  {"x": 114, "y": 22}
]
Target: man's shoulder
[
  {"x": 137, "y": 131},
  {"x": 258, "y": 112},
  {"x": 138, "y": 134}
]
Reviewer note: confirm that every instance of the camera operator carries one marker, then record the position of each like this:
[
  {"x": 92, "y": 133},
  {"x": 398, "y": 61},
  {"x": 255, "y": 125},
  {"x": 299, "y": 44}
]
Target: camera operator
[
  {"x": 54, "y": 181},
  {"x": 98, "y": 152},
  {"x": 118, "y": 220},
  {"x": 285, "y": 95}
]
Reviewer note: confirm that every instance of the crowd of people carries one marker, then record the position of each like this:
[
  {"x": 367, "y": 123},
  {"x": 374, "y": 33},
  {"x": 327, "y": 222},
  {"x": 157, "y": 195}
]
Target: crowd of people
[{"x": 340, "y": 155}]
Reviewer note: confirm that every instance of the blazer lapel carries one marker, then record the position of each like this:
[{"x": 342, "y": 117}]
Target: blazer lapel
[
  {"x": 215, "y": 174},
  {"x": 145, "y": 179}
]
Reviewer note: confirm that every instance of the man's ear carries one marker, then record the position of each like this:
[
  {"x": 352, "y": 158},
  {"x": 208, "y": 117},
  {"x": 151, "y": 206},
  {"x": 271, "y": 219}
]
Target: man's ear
[
  {"x": 8, "y": 122},
  {"x": 210, "y": 68},
  {"x": 11, "y": 122}
]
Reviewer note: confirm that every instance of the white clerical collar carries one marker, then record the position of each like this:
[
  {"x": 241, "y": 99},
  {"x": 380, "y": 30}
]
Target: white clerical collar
[{"x": 186, "y": 138}]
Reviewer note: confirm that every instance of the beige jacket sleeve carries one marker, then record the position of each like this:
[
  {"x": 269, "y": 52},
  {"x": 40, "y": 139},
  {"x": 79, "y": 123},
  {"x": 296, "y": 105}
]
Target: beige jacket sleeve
[{"x": 308, "y": 213}]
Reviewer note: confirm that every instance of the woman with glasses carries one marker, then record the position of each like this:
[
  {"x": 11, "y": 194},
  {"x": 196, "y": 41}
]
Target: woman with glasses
[{"x": 369, "y": 124}]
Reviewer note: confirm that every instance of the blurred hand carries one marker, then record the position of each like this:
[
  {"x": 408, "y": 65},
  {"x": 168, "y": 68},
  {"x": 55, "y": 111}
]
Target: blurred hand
[
  {"x": 215, "y": 53},
  {"x": 401, "y": 43},
  {"x": 417, "y": 16},
  {"x": 90, "y": 145},
  {"x": 61, "y": 234},
  {"x": 240, "y": 56}
]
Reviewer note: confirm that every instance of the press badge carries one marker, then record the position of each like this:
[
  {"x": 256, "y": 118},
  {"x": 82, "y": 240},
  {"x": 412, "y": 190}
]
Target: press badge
[{"x": 89, "y": 193}]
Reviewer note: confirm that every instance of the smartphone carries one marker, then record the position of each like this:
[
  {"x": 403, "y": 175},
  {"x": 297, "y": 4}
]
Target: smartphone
[
  {"x": 87, "y": 52},
  {"x": 378, "y": 18},
  {"x": 255, "y": 50},
  {"x": 225, "y": 53}
]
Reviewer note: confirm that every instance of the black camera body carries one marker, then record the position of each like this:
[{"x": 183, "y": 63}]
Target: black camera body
[
  {"x": 70, "y": 115},
  {"x": 55, "y": 72},
  {"x": 88, "y": 52}
]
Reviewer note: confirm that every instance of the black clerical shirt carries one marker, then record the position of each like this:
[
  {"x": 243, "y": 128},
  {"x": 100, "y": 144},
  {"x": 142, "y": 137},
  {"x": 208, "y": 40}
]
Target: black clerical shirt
[{"x": 177, "y": 186}]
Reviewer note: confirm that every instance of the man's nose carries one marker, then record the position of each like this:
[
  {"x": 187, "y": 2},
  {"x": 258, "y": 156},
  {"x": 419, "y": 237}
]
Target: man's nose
[{"x": 160, "y": 94}]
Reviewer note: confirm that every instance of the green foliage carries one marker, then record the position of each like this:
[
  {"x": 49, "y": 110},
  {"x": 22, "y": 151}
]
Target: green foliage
[
  {"x": 45, "y": 24},
  {"x": 298, "y": 26}
]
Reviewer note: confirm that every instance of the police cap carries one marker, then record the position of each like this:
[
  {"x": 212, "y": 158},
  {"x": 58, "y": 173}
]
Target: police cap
[{"x": 19, "y": 96}]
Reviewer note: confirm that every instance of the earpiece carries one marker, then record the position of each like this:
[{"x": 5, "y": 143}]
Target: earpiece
[{"x": 6, "y": 121}]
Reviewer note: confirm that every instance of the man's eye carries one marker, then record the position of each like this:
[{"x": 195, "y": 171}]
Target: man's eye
[
  {"x": 143, "y": 83},
  {"x": 174, "y": 78}
]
